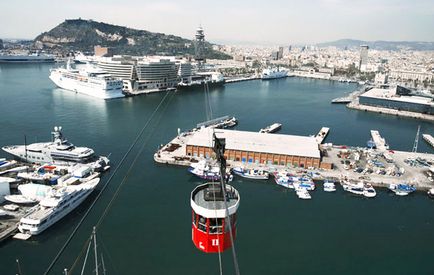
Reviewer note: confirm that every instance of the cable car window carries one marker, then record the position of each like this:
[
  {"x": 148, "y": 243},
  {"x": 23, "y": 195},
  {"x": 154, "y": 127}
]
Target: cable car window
[{"x": 202, "y": 223}]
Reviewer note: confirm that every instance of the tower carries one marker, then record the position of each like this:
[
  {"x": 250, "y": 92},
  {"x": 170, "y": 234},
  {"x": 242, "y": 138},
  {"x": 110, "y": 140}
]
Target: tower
[
  {"x": 199, "y": 46},
  {"x": 363, "y": 57}
]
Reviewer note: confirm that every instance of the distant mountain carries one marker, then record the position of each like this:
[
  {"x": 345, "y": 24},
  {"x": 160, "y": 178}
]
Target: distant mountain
[
  {"x": 83, "y": 35},
  {"x": 380, "y": 45}
]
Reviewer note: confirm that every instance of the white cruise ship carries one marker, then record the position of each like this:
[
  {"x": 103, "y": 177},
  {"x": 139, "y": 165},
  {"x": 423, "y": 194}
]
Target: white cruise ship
[
  {"x": 90, "y": 81},
  {"x": 272, "y": 73},
  {"x": 58, "y": 151},
  {"x": 55, "y": 206}
]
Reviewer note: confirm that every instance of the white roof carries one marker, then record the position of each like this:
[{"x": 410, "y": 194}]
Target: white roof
[
  {"x": 258, "y": 142},
  {"x": 390, "y": 94}
]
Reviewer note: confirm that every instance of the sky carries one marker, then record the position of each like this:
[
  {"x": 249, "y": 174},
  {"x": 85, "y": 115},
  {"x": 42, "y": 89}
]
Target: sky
[{"x": 236, "y": 21}]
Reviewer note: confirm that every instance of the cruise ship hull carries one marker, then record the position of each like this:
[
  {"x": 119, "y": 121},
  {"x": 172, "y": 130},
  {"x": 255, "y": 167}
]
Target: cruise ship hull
[{"x": 84, "y": 87}]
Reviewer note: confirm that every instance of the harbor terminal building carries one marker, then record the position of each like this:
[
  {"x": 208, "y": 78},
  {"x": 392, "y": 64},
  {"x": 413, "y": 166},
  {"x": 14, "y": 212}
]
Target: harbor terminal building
[
  {"x": 258, "y": 148},
  {"x": 398, "y": 98},
  {"x": 141, "y": 74}
]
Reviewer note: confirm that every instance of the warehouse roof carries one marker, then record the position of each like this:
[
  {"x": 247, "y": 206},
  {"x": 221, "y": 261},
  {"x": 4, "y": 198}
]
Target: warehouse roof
[{"x": 258, "y": 142}]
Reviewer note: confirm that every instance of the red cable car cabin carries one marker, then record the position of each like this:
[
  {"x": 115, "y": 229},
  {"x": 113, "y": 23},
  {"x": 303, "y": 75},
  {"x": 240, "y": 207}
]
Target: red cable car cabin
[{"x": 210, "y": 229}]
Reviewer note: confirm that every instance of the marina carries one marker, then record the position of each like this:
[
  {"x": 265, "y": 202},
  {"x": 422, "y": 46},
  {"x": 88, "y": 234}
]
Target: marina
[
  {"x": 378, "y": 167},
  {"x": 107, "y": 127}
]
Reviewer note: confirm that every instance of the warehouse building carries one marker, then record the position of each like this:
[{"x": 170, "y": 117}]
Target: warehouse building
[
  {"x": 259, "y": 148},
  {"x": 398, "y": 98}
]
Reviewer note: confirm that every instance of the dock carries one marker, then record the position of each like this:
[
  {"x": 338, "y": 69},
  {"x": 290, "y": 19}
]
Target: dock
[
  {"x": 240, "y": 79},
  {"x": 349, "y": 98},
  {"x": 379, "y": 141},
  {"x": 220, "y": 122},
  {"x": 322, "y": 134},
  {"x": 429, "y": 139},
  {"x": 378, "y": 167}
]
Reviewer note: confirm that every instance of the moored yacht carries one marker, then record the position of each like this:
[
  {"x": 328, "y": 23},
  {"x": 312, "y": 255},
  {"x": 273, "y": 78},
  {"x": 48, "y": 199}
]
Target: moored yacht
[
  {"x": 251, "y": 173},
  {"x": 402, "y": 189},
  {"x": 329, "y": 186},
  {"x": 58, "y": 151},
  {"x": 54, "y": 207}
]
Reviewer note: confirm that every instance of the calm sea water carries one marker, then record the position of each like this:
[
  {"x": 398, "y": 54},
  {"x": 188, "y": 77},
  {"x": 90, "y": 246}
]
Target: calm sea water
[{"x": 148, "y": 228}]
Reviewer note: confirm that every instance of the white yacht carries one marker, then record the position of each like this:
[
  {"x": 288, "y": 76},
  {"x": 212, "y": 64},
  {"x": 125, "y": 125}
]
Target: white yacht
[
  {"x": 329, "y": 186},
  {"x": 303, "y": 194},
  {"x": 251, "y": 173},
  {"x": 54, "y": 207},
  {"x": 58, "y": 151},
  {"x": 273, "y": 73},
  {"x": 90, "y": 81}
]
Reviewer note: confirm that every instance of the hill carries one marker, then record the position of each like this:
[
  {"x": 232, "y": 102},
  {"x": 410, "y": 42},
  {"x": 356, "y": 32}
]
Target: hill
[
  {"x": 83, "y": 35},
  {"x": 381, "y": 45}
]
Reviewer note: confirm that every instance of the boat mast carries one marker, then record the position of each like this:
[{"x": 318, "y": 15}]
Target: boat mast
[
  {"x": 95, "y": 251},
  {"x": 25, "y": 147}
]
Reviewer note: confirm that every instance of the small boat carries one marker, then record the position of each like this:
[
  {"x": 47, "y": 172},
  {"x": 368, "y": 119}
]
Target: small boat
[
  {"x": 3, "y": 213},
  {"x": 19, "y": 199},
  {"x": 15, "y": 169},
  {"x": 303, "y": 194},
  {"x": 402, "y": 189},
  {"x": 304, "y": 184},
  {"x": 430, "y": 193},
  {"x": 284, "y": 181},
  {"x": 11, "y": 207},
  {"x": 251, "y": 173},
  {"x": 329, "y": 186},
  {"x": 369, "y": 191},
  {"x": 272, "y": 128},
  {"x": 354, "y": 188},
  {"x": 207, "y": 172}
]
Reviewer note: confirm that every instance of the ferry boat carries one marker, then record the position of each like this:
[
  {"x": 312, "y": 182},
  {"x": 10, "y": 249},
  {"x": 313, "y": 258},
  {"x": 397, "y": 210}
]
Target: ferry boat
[
  {"x": 58, "y": 151},
  {"x": 52, "y": 208},
  {"x": 90, "y": 81},
  {"x": 251, "y": 173},
  {"x": 272, "y": 128},
  {"x": 273, "y": 73},
  {"x": 26, "y": 58}
]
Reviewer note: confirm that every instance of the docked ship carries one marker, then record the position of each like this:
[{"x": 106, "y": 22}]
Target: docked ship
[
  {"x": 90, "y": 81},
  {"x": 272, "y": 128},
  {"x": 58, "y": 151},
  {"x": 212, "y": 79},
  {"x": 273, "y": 73},
  {"x": 26, "y": 58},
  {"x": 55, "y": 206}
]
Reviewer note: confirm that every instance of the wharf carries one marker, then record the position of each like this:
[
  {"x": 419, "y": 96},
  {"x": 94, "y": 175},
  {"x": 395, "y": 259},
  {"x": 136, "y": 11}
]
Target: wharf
[
  {"x": 356, "y": 106},
  {"x": 322, "y": 134},
  {"x": 379, "y": 141},
  {"x": 148, "y": 91},
  {"x": 349, "y": 98},
  {"x": 9, "y": 224},
  {"x": 429, "y": 139},
  {"x": 370, "y": 165},
  {"x": 240, "y": 79}
]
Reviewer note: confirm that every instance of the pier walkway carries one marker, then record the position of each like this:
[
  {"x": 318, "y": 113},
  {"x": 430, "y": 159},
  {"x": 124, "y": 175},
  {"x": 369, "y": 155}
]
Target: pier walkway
[{"x": 322, "y": 134}]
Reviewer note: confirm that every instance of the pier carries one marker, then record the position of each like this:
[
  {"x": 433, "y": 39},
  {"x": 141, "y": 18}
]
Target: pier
[
  {"x": 378, "y": 167},
  {"x": 322, "y": 134},
  {"x": 349, "y": 98},
  {"x": 379, "y": 141},
  {"x": 429, "y": 139}
]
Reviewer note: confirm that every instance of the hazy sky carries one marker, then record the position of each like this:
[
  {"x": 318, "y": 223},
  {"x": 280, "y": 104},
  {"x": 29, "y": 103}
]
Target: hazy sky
[{"x": 272, "y": 21}]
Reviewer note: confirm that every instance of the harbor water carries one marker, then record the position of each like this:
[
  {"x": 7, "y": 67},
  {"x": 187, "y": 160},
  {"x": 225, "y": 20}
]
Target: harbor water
[{"x": 147, "y": 229}]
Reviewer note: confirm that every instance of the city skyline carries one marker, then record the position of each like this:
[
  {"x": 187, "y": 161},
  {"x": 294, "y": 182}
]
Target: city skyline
[{"x": 248, "y": 22}]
